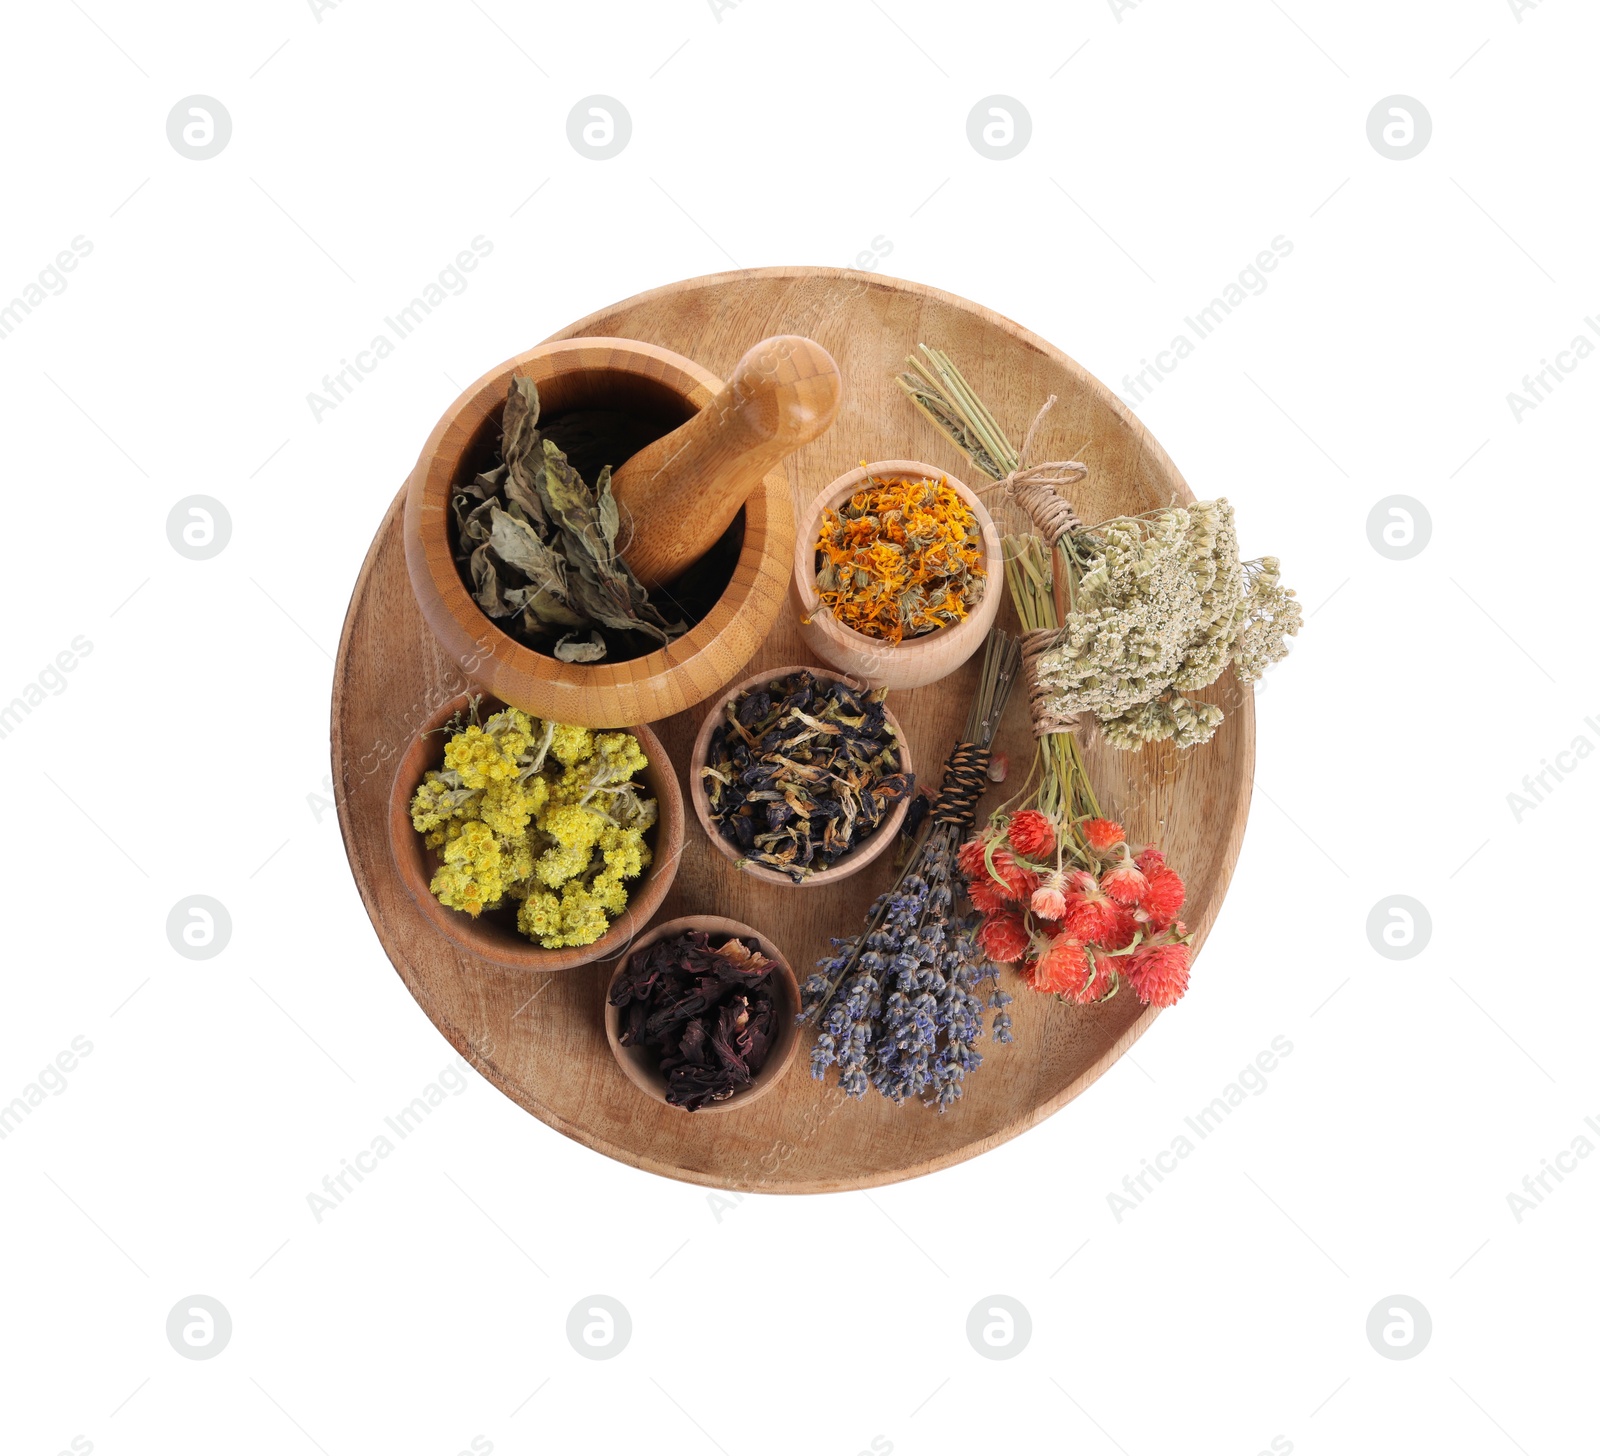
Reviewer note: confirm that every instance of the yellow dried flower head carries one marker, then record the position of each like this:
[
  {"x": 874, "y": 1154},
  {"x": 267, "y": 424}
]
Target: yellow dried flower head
[
  {"x": 508, "y": 805},
  {"x": 470, "y": 877},
  {"x": 542, "y": 813},
  {"x": 572, "y": 828},
  {"x": 571, "y": 744},
  {"x": 559, "y": 864},
  {"x": 608, "y": 892},
  {"x": 540, "y": 918},
  {"x": 583, "y": 917}
]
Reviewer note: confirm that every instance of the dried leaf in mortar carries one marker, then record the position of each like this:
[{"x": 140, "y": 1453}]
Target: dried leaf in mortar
[
  {"x": 538, "y": 550},
  {"x": 573, "y": 648}
]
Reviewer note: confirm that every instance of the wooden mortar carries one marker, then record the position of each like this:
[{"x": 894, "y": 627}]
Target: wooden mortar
[{"x": 588, "y": 373}]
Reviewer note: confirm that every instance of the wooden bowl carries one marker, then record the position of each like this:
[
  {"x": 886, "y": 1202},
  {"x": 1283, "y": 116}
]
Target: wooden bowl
[
  {"x": 585, "y": 374},
  {"x": 640, "y": 1064},
  {"x": 859, "y": 857},
  {"x": 493, "y": 936},
  {"x": 918, "y": 660}
]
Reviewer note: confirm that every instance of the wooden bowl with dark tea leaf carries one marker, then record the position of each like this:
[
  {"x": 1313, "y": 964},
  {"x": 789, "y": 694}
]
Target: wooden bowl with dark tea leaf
[{"x": 786, "y": 791}]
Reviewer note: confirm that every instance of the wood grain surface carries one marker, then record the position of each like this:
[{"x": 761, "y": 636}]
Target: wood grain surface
[{"x": 542, "y": 1040}]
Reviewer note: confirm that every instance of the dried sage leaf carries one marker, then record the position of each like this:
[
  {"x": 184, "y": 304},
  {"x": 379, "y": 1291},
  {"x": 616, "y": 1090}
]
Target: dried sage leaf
[
  {"x": 573, "y": 648},
  {"x": 540, "y": 547}
]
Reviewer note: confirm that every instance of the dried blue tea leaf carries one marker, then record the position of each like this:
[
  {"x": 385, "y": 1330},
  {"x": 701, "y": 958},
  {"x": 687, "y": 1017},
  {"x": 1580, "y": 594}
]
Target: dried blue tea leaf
[{"x": 801, "y": 770}]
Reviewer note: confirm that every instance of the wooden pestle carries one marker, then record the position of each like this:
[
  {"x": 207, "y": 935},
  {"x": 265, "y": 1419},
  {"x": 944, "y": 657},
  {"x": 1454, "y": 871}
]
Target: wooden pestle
[{"x": 681, "y": 492}]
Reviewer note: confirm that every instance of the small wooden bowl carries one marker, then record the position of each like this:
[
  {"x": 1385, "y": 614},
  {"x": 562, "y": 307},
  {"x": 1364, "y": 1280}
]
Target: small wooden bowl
[
  {"x": 918, "y": 660},
  {"x": 493, "y": 936},
  {"x": 640, "y": 1065},
  {"x": 581, "y": 374},
  {"x": 857, "y": 858}
]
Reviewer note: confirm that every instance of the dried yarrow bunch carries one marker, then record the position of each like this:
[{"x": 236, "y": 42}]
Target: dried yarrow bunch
[
  {"x": 901, "y": 1006},
  {"x": 1156, "y": 606},
  {"x": 1160, "y": 605}
]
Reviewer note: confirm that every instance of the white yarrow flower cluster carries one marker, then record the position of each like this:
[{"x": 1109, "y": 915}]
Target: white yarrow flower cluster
[{"x": 1162, "y": 607}]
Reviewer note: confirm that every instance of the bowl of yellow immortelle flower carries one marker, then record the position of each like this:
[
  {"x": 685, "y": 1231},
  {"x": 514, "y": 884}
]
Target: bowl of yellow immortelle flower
[
  {"x": 534, "y": 845},
  {"x": 898, "y": 574}
]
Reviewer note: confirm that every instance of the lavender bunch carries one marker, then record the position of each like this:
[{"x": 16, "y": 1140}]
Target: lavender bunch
[{"x": 900, "y": 1006}]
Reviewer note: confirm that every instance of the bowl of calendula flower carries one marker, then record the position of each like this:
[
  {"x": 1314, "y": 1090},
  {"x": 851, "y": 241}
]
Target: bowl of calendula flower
[
  {"x": 534, "y": 845},
  {"x": 898, "y": 573}
]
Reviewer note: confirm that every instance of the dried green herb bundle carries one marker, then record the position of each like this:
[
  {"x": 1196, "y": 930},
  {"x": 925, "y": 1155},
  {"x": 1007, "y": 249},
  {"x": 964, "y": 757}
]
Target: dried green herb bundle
[
  {"x": 801, "y": 770},
  {"x": 538, "y": 549},
  {"x": 1161, "y": 604},
  {"x": 707, "y": 1011},
  {"x": 1156, "y": 605}
]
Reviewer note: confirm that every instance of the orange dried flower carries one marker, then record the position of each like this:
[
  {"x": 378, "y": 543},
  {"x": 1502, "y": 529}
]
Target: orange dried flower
[
  {"x": 1159, "y": 974},
  {"x": 1125, "y": 881},
  {"x": 1048, "y": 900},
  {"x": 1031, "y": 833},
  {"x": 986, "y": 895},
  {"x": 1102, "y": 834},
  {"x": 900, "y": 558},
  {"x": 1004, "y": 938},
  {"x": 1163, "y": 896},
  {"x": 1063, "y": 969}
]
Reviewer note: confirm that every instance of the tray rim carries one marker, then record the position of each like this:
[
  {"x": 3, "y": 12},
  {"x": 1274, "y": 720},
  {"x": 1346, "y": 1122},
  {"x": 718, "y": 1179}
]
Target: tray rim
[{"x": 1025, "y": 1120}]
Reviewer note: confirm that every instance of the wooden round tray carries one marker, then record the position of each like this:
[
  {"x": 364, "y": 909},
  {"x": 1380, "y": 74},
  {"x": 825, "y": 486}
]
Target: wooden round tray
[{"x": 541, "y": 1039}]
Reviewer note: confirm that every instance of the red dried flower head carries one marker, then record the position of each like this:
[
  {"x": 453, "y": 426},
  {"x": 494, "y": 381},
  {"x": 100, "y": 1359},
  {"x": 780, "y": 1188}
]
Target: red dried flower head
[
  {"x": 1089, "y": 920},
  {"x": 1063, "y": 969},
  {"x": 1101, "y": 979},
  {"x": 1050, "y": 900},
  {"x": 1003, "y": 937},
  {"x": 970, "y": 856},
  {"x": 1018, "y": 883},
  {"x": 1150, "y": 859},
  {"x": 1159, "y": 973},
  {"x": 1089, "y": 914},
  {"x": 986, "y": 895},
  {"x": 1163, "y": 897},
  {"x": 1121, "y": 929},
  {"x": 1103, "y": 833},
  {"x": 1032, "y": 834},
  {"x": 1125, "y": 881}
]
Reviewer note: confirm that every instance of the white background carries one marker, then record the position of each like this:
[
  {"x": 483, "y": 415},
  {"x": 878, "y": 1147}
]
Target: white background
[{"x": 187, "y": 752}]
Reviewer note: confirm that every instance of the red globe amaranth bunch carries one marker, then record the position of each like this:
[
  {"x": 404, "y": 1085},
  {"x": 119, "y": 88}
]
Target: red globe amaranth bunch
[{"x": 1076, "y": 910}]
